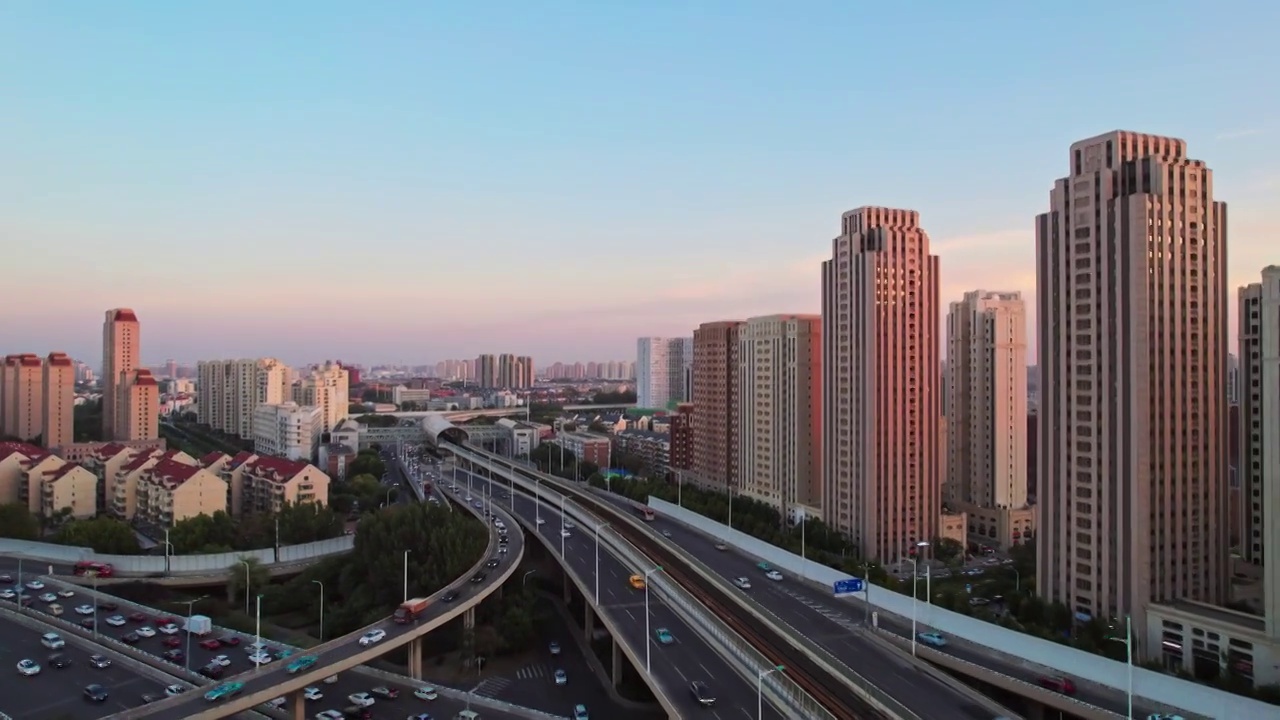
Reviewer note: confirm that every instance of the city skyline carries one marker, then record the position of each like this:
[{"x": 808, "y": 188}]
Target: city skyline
[{"x": 683, "y": 176}]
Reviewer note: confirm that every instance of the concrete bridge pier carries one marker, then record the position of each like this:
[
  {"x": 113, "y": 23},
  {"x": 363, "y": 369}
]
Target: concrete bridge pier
[
  {"x": 297, "y": 705},
  {"x": 469, "y": 620},
  {"x": 415, "y": 658},
  {"x": 619, "y": 663},
  {"x": 568, "y": 589}
]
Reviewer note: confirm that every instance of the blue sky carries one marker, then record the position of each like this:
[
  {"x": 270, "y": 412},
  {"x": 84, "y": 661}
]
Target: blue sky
[{"x": 420, "y": 180}]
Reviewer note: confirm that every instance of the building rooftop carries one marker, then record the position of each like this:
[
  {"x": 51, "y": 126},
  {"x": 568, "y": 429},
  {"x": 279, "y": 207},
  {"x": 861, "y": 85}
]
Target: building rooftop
[
  {"x": 108, "y": 451},
  {"x": 275, "y": 469},
  {"x": 140, "y": 459},
  {"x": 240, "y": 458},
  {"x": 61, "y": 472},
  {"x": 171, "y": 473},
  {"x": 123, "y": 315},
  {"x": 211, "y": 458},
  {"x": 26, "y": 450},
  {"x": 646, "y": 434}
]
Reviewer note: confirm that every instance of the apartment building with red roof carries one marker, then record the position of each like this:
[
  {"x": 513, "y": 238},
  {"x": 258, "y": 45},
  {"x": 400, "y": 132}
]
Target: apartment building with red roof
[
  {"x": 263, "y": 483},
  {"x": 172, "y": 490}
]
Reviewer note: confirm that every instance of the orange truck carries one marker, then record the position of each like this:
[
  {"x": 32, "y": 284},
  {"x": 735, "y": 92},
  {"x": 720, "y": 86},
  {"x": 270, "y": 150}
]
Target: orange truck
[{"x": 410, "y": 610}]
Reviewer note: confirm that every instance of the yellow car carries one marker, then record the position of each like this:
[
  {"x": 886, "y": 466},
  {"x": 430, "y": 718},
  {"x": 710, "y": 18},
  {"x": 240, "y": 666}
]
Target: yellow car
[{"x": 637, "y": 582}]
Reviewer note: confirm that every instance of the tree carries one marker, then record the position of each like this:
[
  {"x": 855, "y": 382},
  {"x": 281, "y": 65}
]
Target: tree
[
  {"x": 247, "y": 577},
  {"x": 18, "y": 523},
  {"x": 947, "y": 549},
  {"x": 105, "y": 535},
  {"x": 87, "y": 421},
  {"x": 308, "y": 522},
  {"x": 614, "y": 398},
  {"x": 204, "y": 534},
  {"x": 368, "y": 462},
  {"x": 376, "y": 420}
]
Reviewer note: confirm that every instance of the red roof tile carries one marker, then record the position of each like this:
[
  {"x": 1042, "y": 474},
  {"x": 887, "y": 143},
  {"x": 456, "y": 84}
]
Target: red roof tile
[
  {"x": 171, "y": 472},
  {"x": 66, "y": 468},
  {"x": 29, "y": 360},
  {"x": 58, "y": 359},
  {"x": 211, "y": 458},
  {"x": 143, "y": 376},
  {"x": 123, "y": 315},
  {"x": 240, "y": 459},
  {"x": 277, "y": 469},
  {"x": 26, "y": 450},
  {"x": 142, "y": 458},
  {"x": 108, "y": 451}
]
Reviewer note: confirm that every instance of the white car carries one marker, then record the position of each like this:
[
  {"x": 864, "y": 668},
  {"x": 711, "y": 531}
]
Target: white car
[
  {"x": 276, "y": 704},
  {"x": 541, "y": 521},
  {"x": 260, "y": 658},
  {"x": 85, "y": 610},
  {"x": 174, "y": 690},
  {"x": 35, "y": 585},
  {"x": 28, "y": 667},
  {"x": 569, "y": 526},
  {"x": 48, "y": 598},
  {"x": 116, "y": 620},
  {"x": 328, "y": 715},
  {"x": 221, "y": 660},
  {"x": 773, "y": 575},
  {"x": 169, "y": 629},
  {"x": 361, "y": 699},
  {"x": 313, "y": 693},
  {"x": 7, "y": 594},
  {"x": 331, "y": 680},
  {"x": 53, "y": 641},
  {"x": 66, "y": 593},
  {"x": 373, "y": 636},
  {"x": 146, "y": 631},
  {"x": 426, "y": 693},
  {"x": 565, "y": 534},
  {"x": 743, "y": 583}
]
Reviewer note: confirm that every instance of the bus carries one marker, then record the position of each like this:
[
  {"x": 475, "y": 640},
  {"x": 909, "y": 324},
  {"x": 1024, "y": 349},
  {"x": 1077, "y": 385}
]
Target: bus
[
  {"x": 102, "y": 570},
  {"x": 646, "y": 512}
]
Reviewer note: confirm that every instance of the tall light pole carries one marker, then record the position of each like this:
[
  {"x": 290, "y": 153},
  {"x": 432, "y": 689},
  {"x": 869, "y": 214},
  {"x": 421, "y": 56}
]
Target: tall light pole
[
  {"x": 537, "y": 501},
  {"x": 760, "y": 676},
  {"x": 598, "y": 526},
  {"x": 804, "y": 557},
  {"x": 915, "y": 577},
  {"x": 168, "y": 548},
  {"x": 406, "y": 575},
  {"x": 245, "y": 563},
  {"x": 317, "y": 582},
  {"x": 1128, "y": 651},
  {"x": 186, "y": 659},
  {"x": 257, "y": 632},
  {"x": 648, "y": 641}
]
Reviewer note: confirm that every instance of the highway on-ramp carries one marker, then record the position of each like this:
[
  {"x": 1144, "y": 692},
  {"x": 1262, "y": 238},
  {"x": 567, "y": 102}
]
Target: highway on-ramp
[{"x": 687, "y": 659}]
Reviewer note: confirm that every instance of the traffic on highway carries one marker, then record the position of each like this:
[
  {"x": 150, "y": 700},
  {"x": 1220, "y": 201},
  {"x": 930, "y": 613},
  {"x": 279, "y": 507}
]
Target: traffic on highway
[{"x": 677, "y": 663}]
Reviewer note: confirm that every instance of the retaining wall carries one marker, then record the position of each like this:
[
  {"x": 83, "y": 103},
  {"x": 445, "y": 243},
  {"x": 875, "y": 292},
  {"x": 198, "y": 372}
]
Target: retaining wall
[{"x": 207, "y": 564}]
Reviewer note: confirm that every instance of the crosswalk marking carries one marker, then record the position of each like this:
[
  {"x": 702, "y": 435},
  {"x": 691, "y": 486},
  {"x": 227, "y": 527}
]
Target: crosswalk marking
[
  {"x": 530, "y": 672},
  {"x": 833, "y": 615},
  {"x": 490, "y": 687}
]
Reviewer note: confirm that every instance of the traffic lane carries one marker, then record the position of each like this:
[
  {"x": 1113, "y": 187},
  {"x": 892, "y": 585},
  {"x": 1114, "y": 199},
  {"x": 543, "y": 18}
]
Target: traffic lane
[
  {"x": 789, "y": 600},
  {"x": 689, "y": 659},
  {"x": 337, "y": 696},
  {"x": 56, "y": 693},
  {"x": 29, "y": 569}
]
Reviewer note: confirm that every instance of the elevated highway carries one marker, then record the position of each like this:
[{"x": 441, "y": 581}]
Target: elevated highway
[{"x": 267, "y": 683}]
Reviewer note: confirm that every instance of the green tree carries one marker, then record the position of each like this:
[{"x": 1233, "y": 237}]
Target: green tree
[
  {"x": 204, "y": 534},
  {"x": 377, "y": 421},
  {"x": 368, "y": 462},
  {"x": 246, "y": 578},
  {"x": 17, "y": 522},
  {"x": 308, "y": 522},
  {"x": 611, "y": 398},
  {"x": 105, "y": 535},
  {"x": 87, "y": 421},
  {"x": 947, "y": 550}
]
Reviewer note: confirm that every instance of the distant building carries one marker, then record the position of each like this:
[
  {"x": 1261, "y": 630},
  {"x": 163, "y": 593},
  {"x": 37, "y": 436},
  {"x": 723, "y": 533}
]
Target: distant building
[
  {"x": 587, "y": 447},
  {"x": 287, "y": 430}
]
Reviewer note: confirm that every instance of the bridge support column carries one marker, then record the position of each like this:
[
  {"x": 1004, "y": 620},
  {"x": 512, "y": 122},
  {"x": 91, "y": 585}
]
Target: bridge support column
[
  {"x": 469, "y": 620},
  {"x": 589, "y": 622},
  {"x": 618, "y": 661},
  {"x": 568, "y": 589},
  {"x": 297, "y": 705},
  {"x": 415, "y": 658}
]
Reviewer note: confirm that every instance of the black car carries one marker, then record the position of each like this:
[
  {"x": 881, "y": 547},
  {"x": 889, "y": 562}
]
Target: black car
[
  {"x": 99, "y": 661},
  {"x": 173, "y": 656},
  {"x": 149, "y": 698},
  {"x": 88, "y": 623},
  {"x": 702, "y": 693},
  {"x": 493, "y": 563},
  {"x": 212, "y": 670},
  {"x": 6, "y": 578},
  {"x": 503, "y": 539},
  {"x": 357, "y": 712},
  {"x": 478, "y": 577},
  {"x": 131, "y": 638},
  {"x": 95, "y": 693},
  {"x": 449, "y": 596},
  {"x": 59, "y": 660}
]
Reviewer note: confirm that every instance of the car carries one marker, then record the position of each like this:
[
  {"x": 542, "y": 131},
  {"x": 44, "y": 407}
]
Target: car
[
  {"x": 426, "y": 693},
  {"x": 313, "y": 693},
  {"x": 100, "y": 661},
  {"x": 165, "y": 620},
  {"x": 1057, "y": 683},
  {"x": 541, "y": 521},
  {"x": 59, "y": 660},
  {"x": 275, "y": 703},
  {"x": 580, "y": 712},
  {"x": 257, "y": 647},
  {"x": 388, "y": 693},
  {"x": 449, "y": 596},
  {"x": 493, "y": 563},
  {"x": 764, "y": 567},
  {"x": 565, "y": 534},
  {"x": 115, "y": 621},
  {"x": 7, "y": 594},
  {"x": 222, "y": 691},
  {"x": 637, "y": 581},
  {"x": 664, "y": 636},
  {"x": 212, "y": 671},
  {"x": 137, "y": 617},
  {"x": 146, "y": 631},
  {"x": 66, "y": 594},
  {"x": 302, "y": 663},
  {"x": 229, "y": 640},
  {"x": 48, "y": 598},
  {"x": 420, "y": 716},
  {"x": 356, "y": 712},
  {"x": 148, "y": 698},
  {"x": 932, "y": 639},
  {"x": 478, "y": 578},
  {"x": 95, "y": 693},
  {"x": 284, "y": 654},
  {"x": 361, "y": 699},
  {"x": 88, "y": 623},
  {"x": 6, "y": 578},
  {"x": 1161, "y": 716},
  {"x": 331, "y": 680},
  {"x": 211, "y": 644},
  {"x": 502, "y": 549},
  {"x": 108, "y": 606},
  {"x": 554, "y": 648},
  {"x": 222, "y": 660},
  {"x": 85, "y": 610},
  {"x": 173, "y": 656},
  {"x": 53, "y": 641},
  {"x": 130, "y": 638},
  {"x": 328, "y": 715},
  {"x": 168, "y": 629},
  {"x": 176, "y": 690},
  {"x": 561, "y": 678},
  {"x": 172, "y": 642},
  {"x": 721, "y": 547},
  {"x": 743, "y": 583},
  {"x": 666, "y": 533},
  {"x": 702, "y": 694},
  {"x": 373, "y": 636},
  {"x": 774, "y": 575},
  {"x": 28, "y": 667},
  {"x": 260, "y": 658},
  {"x": 35, "y": 585}
]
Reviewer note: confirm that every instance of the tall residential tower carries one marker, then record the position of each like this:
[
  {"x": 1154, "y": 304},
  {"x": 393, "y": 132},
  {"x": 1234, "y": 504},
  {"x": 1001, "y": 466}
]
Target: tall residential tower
[
  {"x": 121, "y": 348},
  {"x": 663, "y": 371},
  {"x": 714, "y": 423}
]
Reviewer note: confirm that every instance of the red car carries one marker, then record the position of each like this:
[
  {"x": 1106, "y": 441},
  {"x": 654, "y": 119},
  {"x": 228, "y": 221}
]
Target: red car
[
  {"x": 162, "y": 620},
  {"x": 210, "y": 644},
  {"x": 108, "y": 606},
  {"x": 138, "y": 617},
  {"x": 1058, "y": 684},
  {"x": 172, "y": 641},
  {"x": 229, "y": 641}
]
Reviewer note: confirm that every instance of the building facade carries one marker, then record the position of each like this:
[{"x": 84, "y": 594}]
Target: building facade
[
  {"x": 22, "y": 407},
  {"x": 587, "y": 447},
  {"x": 57, "y": 400},
  {"x": 328, "y": 388},
  {"x": 228, "y": 392},
  {"x": 121, "y": 350},
  {"x": 287, "y": 430},
  {"x": 1132, "y": 344},
  {"x": 137, "y": 407},
  {"x": 663, "y": 371},
  {"x": 881, "y": 396},
  {"x": 170, "y": 491},
  {"x": 715, "y": 404},
  {"x": 682, "y": 437}
]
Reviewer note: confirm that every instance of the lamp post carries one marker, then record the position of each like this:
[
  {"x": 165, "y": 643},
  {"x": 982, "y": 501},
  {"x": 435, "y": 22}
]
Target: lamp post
[
  {"x": 928, "y": 576},
  {"x": 760, "y": 676},
  {"x": 257, "y": 632},
  {"x": 387, "y": 501},
  {"x": 915, "y": 577},
  {"x": 524, "y": 580},
  {"x": 804, "y": 557},
  {"x": 648, "y": 641},
  {"x": 598, "y": 526},
  {"x": 317, "y": 582},
  {"x": 186, "y": 658},
  {"x": 245, "y": 563},
  {"x": 537, "y": 501},
  {"x": 1017, "y": 580},
  {"x": 1128, "y": 651},
  {"x": 406, "y": 575},
  {"x": 168, "y": 549}
]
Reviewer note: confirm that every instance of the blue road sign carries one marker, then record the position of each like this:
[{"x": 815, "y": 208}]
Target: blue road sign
[{"x": 847, "y": 587}]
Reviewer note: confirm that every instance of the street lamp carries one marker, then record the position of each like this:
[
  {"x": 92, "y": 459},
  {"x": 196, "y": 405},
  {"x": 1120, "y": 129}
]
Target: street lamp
[
  {"x": 245, "y": 563},
  {"x": 537, "y": 501},
  {"x": 760, "y": 676},
  {"x": 406, "y": 575},
  {"x": 915, "y": 578},
  {"x": 186, "y": 659},
  {"x": 1128, "y": 651},
  {"x": 1017, "y": 580},
  {"x": 648, "y": 641},
  {"x": 257, "y": 632},
  {"x": 317, "y": 582},
  {"x": 598, "y": 526},
  {"x": 804, "y": 557}
]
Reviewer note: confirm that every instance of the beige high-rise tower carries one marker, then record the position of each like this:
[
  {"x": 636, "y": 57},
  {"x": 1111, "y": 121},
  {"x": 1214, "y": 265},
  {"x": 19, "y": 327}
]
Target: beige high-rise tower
[
  {"x": 23, "y": 407},
  {"x": 881, "y": 400},
  {"x": 1132, "y": 340},
  {"x": 121, "y": 347},
  {"x": 58, "y": 399}
]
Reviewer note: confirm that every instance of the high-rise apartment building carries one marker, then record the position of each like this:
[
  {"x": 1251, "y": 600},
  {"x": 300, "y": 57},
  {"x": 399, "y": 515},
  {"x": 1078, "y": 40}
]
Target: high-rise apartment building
[
  {"x": 138, "y": 406},
  {"x": 21, "y": 387},
  {"x": 121, "y": 350},
  {"x": 716, "y": 375},
  {"x": 328, "y": 388},
  {"x": 986, "y": 469},
  {"x": 881, "y": 398},
  {"x": 486, "y": 374},
  {"x": 1132, "y": 345},
  {"x": 779, "y": 412},
  {"x": 57, "y": 400},
  {"x": 228, "y": 391},
  {"x": 663, "y": 371}
]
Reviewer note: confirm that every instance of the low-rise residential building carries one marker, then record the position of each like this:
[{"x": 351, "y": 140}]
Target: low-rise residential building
[
  {"x": 14, "y": 458},
  {"x": 335, "y": 458},
  {"x": 69, "y": 488},
  {"x": 171, "y": 491},
  {"x": 104, "y": 462},
  {"x": 652, "y": 447},
  {"x": 122, "y": 488},
  {"x": 34, "y": 471},
  {"x": 287, "y": 430},
  {"x": 401, "y": 395},
  {"x": 263, "y": 484},
  {"x": 587, "y": 447}
]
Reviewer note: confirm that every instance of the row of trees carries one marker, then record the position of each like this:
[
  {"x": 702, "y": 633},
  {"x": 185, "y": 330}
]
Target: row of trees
[{"x": 295, "y": 523}]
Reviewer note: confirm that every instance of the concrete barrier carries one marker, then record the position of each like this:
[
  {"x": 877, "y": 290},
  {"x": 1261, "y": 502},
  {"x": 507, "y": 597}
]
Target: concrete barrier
[
  {"x": 197, "y": 565},
  {"x": 1157, "y": 688}
]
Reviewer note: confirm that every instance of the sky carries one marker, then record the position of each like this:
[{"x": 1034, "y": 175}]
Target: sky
[{"x": 411, "y": 181}]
